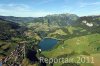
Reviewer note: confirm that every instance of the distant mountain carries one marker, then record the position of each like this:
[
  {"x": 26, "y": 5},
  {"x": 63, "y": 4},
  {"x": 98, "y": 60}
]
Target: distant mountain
[
  {"x": 58, "y": 19},
  {"x": 17, "y": 19}
]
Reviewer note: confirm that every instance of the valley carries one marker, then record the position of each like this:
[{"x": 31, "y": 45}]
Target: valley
[{"x": 52, "y": 36}]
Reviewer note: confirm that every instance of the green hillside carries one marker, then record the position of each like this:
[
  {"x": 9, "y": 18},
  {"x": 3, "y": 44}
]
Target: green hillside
[{"x": 75, "y": 36}]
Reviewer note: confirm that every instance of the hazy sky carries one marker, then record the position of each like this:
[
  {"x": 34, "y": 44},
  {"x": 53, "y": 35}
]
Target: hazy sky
[{"x": 36, "y": 8}]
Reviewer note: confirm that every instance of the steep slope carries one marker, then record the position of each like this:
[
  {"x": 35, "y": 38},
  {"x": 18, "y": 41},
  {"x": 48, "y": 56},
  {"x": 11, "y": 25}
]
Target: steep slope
[
  {"x": 90, "y": 23},
  {"x": 10, "y": 35},
  {"x": 7, "y": 29}
]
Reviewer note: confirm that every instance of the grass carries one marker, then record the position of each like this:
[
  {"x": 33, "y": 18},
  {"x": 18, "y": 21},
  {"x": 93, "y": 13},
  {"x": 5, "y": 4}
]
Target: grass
[
  {"x": 83, "y": 45},
  {"x": 60, "y": 32},
  {"x": 77, "y": 44}
]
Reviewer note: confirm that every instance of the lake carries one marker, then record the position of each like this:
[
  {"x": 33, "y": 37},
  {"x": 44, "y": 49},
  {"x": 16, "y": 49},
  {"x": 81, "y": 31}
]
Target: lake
[{"x": 47, "y": 43}]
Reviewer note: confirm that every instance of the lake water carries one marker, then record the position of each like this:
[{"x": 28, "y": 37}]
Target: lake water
[{"x": 47, "y": 43}]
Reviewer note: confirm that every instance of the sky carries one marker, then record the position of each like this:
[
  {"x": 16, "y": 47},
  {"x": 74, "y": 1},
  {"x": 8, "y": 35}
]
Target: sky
[{"x": 39, "y": 8}]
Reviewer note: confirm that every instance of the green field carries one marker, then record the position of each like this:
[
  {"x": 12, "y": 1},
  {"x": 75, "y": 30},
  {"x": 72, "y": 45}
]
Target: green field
[{"x": 88, "y": 45}]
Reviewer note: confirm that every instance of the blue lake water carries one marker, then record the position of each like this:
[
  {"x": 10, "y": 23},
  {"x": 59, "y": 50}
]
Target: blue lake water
[{"x": 47, "y": 43}]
